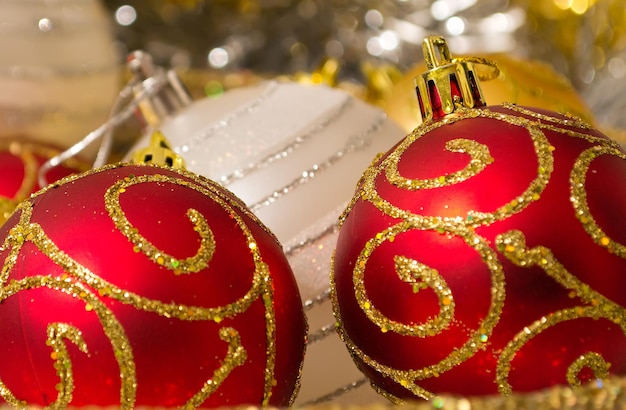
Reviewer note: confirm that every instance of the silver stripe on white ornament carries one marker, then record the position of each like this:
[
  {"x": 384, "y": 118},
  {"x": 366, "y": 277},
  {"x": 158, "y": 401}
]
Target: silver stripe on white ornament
[{"x": 293, "y": 153}]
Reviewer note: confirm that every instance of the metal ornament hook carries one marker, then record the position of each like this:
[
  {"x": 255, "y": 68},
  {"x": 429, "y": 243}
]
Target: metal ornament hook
[
  {"x": 121, "y": 114},
  {"x": 153, "y": 92}
]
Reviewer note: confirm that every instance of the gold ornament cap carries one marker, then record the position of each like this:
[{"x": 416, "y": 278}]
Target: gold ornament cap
[
  {"x": 450, "y": 83},
  {"x": 159, "y": 152}
]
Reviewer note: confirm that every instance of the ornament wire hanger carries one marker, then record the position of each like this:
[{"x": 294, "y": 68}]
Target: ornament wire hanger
[{"x": 148, "y": 84}]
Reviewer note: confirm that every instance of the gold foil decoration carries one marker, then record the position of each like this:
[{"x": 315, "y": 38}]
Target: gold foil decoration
[{"x": 159, "y": 152}]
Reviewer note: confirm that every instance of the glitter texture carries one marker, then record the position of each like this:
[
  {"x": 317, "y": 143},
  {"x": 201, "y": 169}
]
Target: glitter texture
[
  {"x": 105, "y": 296},
  {"x": 296, "y": 170},
  {"x": 393, "y": 216}
]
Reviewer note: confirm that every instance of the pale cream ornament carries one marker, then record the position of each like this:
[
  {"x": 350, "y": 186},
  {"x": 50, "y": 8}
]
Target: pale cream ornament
[{"x": 293, "y": 153}]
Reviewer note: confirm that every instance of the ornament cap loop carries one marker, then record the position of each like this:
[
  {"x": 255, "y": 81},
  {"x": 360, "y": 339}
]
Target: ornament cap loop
[
  {"x": 432, "y": 46},
  {"x": 449, "y": 83},
  {"x": 159, "y": 152},
  {"x": 171, "y": 98}
]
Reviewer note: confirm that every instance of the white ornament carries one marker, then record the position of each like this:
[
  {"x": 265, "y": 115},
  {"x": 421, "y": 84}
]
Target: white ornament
[
  {"x": 58, "y": 70},
  {"x": 293, "y": 153}
]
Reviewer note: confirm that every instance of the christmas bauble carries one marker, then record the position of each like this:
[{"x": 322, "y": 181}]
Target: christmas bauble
[
  {"x": 19, "y": 162},
  {"x": 58, "y": 69},
  {"x": 484, "y": 253},
  {"x": 138, "y": 285},
  {"x": 293, "y": 153},
  {"x": 523, "y": 82}
]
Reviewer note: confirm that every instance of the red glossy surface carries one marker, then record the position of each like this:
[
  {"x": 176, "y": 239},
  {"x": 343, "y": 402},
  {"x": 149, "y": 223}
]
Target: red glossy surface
[
  {"x": 173, "y": 357},
  {"x": 530, "y": 293},
  {"x": 19, "y": 162}
]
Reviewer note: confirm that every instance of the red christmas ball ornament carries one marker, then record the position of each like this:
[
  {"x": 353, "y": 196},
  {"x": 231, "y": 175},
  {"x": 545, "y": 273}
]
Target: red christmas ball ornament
[
  {"x": 484, "y": 253},
  {"x": 19, "y": 162},
  {"x": 140, "y": 285}
]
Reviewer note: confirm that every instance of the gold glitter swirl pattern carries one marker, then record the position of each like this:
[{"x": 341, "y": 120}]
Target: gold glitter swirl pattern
[
  {"x": 35, "y": 234},
  {"x": 512, "y": 245},
  {"x": 421, "y": 276},
  {"x": 236, "y": 356},
  {"x": 78, "y": 281},
  {"x": 412, "y": 272},
  {"x": 226, "y": 197},
  {"x": 534, "y": 190},
  {"x": 579, "y": 198},
  {"x": 504, "y": 361},
  {"x": 571, "y": 120},
  {"x": 10, "y": 398},
  {"x": 480, "y": 158},
  {"x": 593, "y": 361},
  {"x": 15, "y": 239},
  {"x": 57, "y": 332},
  {"x": 192, "y": 264},
  {"x": 531, "y": 194},
  {"x": 476, "y": 340},
  {"x": 358, "y": 191},
  {"x": 111, "y": 326}
]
